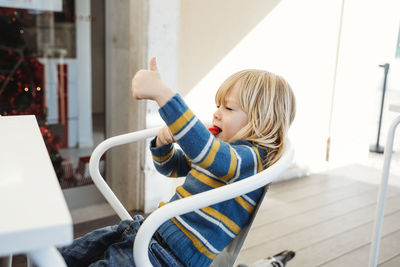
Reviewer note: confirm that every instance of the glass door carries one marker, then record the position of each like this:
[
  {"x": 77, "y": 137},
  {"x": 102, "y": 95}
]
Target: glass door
[{"x": 52, "y": 66}]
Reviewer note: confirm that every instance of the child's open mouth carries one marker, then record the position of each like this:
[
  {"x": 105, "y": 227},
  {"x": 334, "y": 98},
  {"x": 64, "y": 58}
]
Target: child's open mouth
[{"x": 214, "y": 130}]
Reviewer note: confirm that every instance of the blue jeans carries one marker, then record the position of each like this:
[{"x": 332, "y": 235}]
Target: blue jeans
[{"x": 112, "y": 246}]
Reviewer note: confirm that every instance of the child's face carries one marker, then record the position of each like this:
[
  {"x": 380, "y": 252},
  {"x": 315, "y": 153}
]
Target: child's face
[{"x": 229, "y": 117}]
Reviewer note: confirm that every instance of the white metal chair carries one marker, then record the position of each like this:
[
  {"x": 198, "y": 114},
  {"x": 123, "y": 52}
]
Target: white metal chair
[{"x": 228, "y": 256}]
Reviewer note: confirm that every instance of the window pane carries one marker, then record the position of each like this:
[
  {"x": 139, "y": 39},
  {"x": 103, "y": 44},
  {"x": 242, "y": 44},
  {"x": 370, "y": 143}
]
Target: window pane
[{"x": 40, "y": 75}]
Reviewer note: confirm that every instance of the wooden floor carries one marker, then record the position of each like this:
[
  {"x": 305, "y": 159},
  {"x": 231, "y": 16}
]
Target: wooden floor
[{"x": 325, "y": 218}]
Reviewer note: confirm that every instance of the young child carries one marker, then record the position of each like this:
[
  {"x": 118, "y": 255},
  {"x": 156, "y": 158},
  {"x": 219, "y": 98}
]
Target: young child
[{"x": 254, "y": 111}]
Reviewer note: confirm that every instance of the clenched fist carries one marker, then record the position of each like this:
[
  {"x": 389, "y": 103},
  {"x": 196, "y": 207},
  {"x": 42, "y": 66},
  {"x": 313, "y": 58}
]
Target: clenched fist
[{"x": 164, "y": 137}]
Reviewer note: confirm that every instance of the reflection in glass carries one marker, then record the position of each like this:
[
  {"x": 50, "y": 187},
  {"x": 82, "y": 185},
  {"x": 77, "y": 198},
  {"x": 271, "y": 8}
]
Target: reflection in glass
[{"x": 39, "y": 75}]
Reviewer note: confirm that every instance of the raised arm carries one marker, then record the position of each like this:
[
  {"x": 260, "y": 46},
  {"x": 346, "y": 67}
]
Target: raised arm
[{"x": 210, "y": 155}]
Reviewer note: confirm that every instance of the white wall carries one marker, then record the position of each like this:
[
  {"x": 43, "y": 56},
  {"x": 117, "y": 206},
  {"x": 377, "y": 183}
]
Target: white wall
[
  {"x": 369, "y": 38},
  {"x": 209, "y": 29},
  {"x": 298, "y": 40},
  {"x": 163, "y": 44}
]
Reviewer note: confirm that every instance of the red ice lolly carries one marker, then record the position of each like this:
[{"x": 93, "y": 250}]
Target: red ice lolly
[{"x": 214, "y": 130}]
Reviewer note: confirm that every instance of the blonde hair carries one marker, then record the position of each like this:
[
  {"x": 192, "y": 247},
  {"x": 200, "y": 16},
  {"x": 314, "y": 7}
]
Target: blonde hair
[{"x": 270, "y": 105}]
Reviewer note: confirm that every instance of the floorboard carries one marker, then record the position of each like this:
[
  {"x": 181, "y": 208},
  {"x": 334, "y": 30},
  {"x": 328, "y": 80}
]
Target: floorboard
[
  {"x": 390, "y": 247},
  {"x": 311, "y": 218},
  {"x": 336, "y": 247},
  {"x": 279, "y": 212},
  {"x": 318, "y": 233},
  {"x": 393, "y": 262},
  {"x": 326, "y": 219}
]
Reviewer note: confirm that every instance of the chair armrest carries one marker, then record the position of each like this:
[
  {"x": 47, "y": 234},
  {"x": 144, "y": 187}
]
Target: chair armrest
[{"x": 95, "y": 160}]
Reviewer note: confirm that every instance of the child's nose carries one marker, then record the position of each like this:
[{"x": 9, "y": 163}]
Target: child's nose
[{"x": 217, "y": 115}]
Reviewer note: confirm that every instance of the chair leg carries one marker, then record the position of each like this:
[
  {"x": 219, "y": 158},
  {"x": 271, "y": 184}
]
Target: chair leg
[
  {"x": 6, "y": 261},
  {"x": 29, "y": 262}
]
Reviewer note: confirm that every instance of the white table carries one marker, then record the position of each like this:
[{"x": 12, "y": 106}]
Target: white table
[
  {"x": 374, "y": 252},
  {"x": 34, "y": 215}
]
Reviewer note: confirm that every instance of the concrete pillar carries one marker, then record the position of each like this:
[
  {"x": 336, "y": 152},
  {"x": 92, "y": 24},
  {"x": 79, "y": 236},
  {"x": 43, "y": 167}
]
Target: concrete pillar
[
  {"x": 126, "y": 53},
  {"x": 163, "y": 33}
]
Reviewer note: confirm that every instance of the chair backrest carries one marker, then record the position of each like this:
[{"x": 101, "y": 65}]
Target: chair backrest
[
  {"x": 184, "y": 205},
  {"x": 229, "y": 255}
]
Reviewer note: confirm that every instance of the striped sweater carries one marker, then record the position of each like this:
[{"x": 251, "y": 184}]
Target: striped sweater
[{"x": 207, "y": 162}]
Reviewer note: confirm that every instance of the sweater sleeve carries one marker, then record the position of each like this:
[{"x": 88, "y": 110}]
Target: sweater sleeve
[
  {"x": 209, "y": 155},
  {"x": 169, "y": 161}
]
